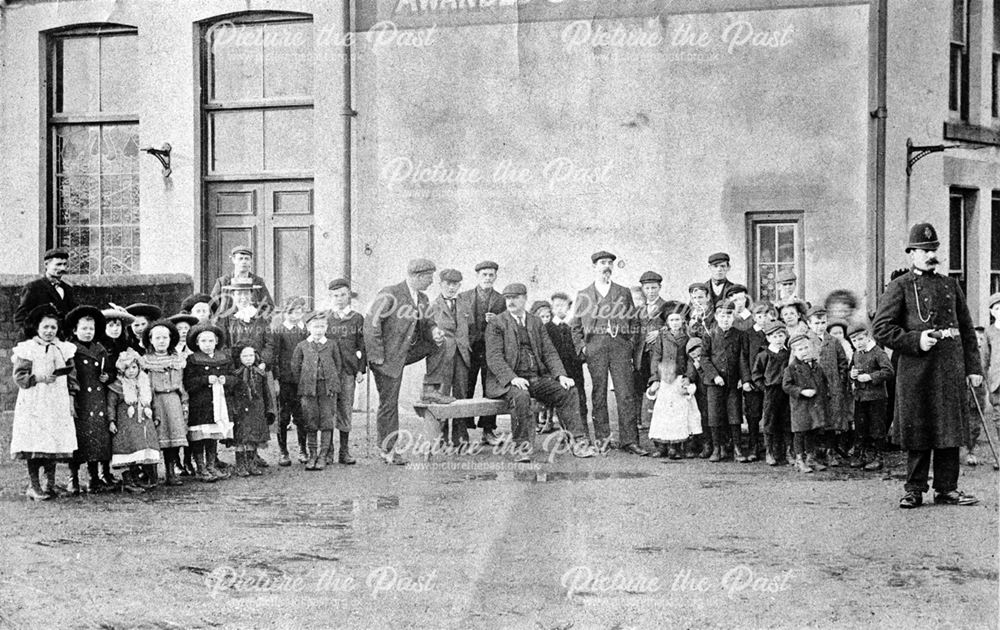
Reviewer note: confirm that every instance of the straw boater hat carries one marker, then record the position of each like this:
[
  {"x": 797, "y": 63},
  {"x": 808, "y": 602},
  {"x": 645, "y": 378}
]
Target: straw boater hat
[{"x": 78, "y": 313}]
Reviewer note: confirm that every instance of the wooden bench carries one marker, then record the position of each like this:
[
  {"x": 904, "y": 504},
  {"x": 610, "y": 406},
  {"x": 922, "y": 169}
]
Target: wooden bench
[{"x": 439, "y": 415}]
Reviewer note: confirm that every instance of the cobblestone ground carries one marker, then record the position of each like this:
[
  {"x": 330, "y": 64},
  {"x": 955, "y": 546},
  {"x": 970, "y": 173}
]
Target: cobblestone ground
[{"x": 475, "y": 542}]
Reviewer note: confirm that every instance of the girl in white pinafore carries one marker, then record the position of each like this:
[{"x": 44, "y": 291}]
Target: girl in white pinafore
[
  {"x": 43, "y": 432},
  {"x": 675, "y": 413}
]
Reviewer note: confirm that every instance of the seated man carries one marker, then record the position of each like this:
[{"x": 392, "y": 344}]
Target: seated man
[{"x": 523, "y": 364}]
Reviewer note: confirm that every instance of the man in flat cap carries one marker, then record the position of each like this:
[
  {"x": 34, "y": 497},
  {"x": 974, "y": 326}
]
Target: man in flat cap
[
  {"x": 604, "y": 331},
  {"x": 49, "y": 289},
  {"x": 523, "y": 364},
  {"x": 924, "y": 318},
  {"x": 651, "y": 317},
  {"x": 486, "y": 303},
  {"x": 786, "y": 286},
  {"x": 448, "y": 365},
  {"x": 718, "y": 282},
  {"x": 398, "y": 332},
  {"x": 242, "y": 258}
]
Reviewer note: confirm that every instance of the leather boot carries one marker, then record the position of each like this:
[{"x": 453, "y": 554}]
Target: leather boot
[
  {"x": 769, "y": 457},
  {"x": 325, "y": 441},
  {"x": 753, "y": 446},
  {"x": 345, "y": 452},
  {"x": 716, "y": 449},
  {"x": 312, "y": 450},
  {"x": 241, "y": 464},
  {"x": 96, "y": 484},
  {"x": 201, "y": 469},
  {"x": 303, "y": 438},
  {"x": 106, "y": 474},
  {"x": 35, "y": 492},
  {"x": 212, "y": 460},
  {"x": 152, "y": 476},
  {"x": 801, "y": 466},
  {"x": 170, "y": 467},
  {"x": 251, "y": 462},
  {"x": 738, "y": 454},
  {"x": 50, "y": 479},
  {"x": 283, "y": 458}
]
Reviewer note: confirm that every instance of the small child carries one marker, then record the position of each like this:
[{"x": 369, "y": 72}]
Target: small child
[
  {"x": 113, "y": 338},
  {"x": 286, "y": 336},
  {"x": 793, "y": 314},
  {"x": 316, "y": 366},
  {"x": 671, "y": 347},
  {"x": 833, "y": 362},
  {"x": 210, "y": 386},
  {"x": 805, "y": 383},
  {"x": 837, "y": 328},
  {"x": 696, "y": 376},
  {"x": 165, "y": 368},
  {"x": 723, "y": 366},
  {"x": 562, "y": 338},
  {"x": 345, "y": 329},
  {"x": 200, "y": 305},
  {"x": 546, "y": 421},
  {"x": 135, "y": 443},
  {"x": 250, "y": 415},
  {"x": 675, "y": 417},
  {"x": 767, "y": 373},
  {"x": 869, "y": 372},
  {"x": 89, "y": 391},
  {"x": 43, "y": 432},
  {"x": 143, "y": 314},
  {"x": 183, "y": 323},
  {"x": 754, "y": 340}
]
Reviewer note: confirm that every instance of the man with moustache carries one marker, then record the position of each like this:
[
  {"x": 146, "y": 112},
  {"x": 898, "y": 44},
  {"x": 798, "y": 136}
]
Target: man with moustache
[
  {"x": 924, "y": 318},
  {"x": 718, "y": 283},
  {"x": 604, "y": 330},
  {"x": 486, "y": 303},
  {"x": 399, "y": 331},
  {"x": 49, "y": 289}
]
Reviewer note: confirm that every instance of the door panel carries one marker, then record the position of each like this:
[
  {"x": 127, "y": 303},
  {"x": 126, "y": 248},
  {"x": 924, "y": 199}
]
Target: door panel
[{"x": 293, "y": 262}]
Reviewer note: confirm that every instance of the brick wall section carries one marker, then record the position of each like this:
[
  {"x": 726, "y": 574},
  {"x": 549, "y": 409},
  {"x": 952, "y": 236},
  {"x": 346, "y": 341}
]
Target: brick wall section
[{"x": 164, "y": 290}]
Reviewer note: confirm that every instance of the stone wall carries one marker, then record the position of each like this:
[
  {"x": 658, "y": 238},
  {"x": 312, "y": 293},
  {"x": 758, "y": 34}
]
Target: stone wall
[{"x": 164, "y": 290}]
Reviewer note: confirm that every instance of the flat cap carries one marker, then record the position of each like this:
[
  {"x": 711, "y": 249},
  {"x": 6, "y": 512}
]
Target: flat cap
[
  {"x": 833, "y": 323},
  {"x": 774, "y": 327},
  {"x": 718, "y": 257},
  {"x": 561, "y": 295},
  {"x": 797, "y": 338},
  {"x": 693, "y": 342},
  {"x": 736, "y": 288},
  {"x": 856, "y": 327},
  {"x": 451, "y": 275},
  {"x": 601, "y": 255},
  {"x": 56, "y": 252},
  {"x": 487, "y": 264},
  {"x": 694, "y": 286},
  {"x": 725, "y": 306},
  {"x": 816, "y": 311},
  {"x": 515, "y": 289},
  {"x": 786, "y": 276},
  {"x": 318, "y": 314},
  {"x": 338, "y": 283},
  {"x": 420, "y": 265},
  {"x": 241, "y": 249},
  {"x": 650, "y": 276},
  {"x": 538, "y": 305}
]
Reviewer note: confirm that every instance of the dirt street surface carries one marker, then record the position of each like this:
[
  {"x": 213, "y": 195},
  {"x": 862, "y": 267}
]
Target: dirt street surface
[{"x": 610, "y": 542}]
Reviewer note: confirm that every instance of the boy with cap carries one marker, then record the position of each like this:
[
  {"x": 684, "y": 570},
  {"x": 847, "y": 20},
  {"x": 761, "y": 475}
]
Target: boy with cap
[
  {"x": 754, "y": 341},
  {"x": 833, "y": 362},
  {"x": 523, "y": 364},
  {"x": 398, "y": 332},
  {"x": 604, "y": 331},
  {"x": 805, "y": 383},
  {"x": 650, "y": 319},
  {"x": 486, "y": 304},
  {"x": 316, "y": 367},
  {"x": 870, "y": 369},
  {"x": 725, "y": 369},
  {"x": 718, "y": 284},
  {"x": 701, "y": 316},
  {"x": 740, "y": 298},
  {"x": 49, "y": 289},
  {"x": 346, "y": 328},
  {"x": 786, "y": 286},
  {"x": 767, "y": 374},
  {"x": 242, "y": 259},
  {"x": 696, "y": 375},
  {"x": 285, "y": 337},
  {"x": 562, "y": 338},
  {"x": 448, "y": 365}
]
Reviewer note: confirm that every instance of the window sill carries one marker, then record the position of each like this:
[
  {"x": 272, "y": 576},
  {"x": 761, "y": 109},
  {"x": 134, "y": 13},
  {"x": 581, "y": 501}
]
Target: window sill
[{"x": 965, "y": 132}]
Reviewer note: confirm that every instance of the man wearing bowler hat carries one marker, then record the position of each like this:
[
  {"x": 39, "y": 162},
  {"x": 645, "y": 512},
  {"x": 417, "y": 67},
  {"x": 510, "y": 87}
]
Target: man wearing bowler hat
[
  {"x": 522, "y": 363},
  {"x": 399, "y": 332},
  {"x": 924, "y": 318},
  {"x": 49, "y": 289},
  {"x": 718, "y": 283},
  {"x": 242, "y": 258},
  {"x": 486, "y": 303},
  {"x": 604, "y": 330}
]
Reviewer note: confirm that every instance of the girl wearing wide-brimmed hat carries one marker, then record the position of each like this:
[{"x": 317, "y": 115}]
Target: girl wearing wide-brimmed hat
[
  {"x": 209, "y": 382},
  {"x": 43, "y": 431},
  {"x": 136, "y": 442},
  {"x": 166, "y": 376}
]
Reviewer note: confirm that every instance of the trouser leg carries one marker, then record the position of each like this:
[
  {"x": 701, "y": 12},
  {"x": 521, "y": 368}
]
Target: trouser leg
[{"x": 387, "y": 417}]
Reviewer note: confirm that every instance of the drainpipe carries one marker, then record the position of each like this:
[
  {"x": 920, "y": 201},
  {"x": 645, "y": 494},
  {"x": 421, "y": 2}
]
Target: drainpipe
[
  {"x": 348, "y": 113},
  {"x": 878, "y": 41}
]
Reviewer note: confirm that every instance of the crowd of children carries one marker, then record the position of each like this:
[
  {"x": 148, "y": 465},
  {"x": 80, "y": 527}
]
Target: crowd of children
[{"x": 128, "y": 390}]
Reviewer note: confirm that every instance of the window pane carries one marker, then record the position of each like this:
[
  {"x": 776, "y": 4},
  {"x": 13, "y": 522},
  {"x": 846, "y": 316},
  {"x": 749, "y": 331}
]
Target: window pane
[
  {"x": 995, "y": 107},
  {"x": 288, "y": 140},
  {"x": 76, "y": 69},
  {"x": 958, "y": 20},
  {"x": 119, "y": 79},
  {"x": 120, "y": 249},
  {"x": 954, "y": 77},
  {"x": 237, "y": 66},
  {"x": 766, "y": 241},
  {"x": 237, "y": 142},
  {"x": 955, "y": 229},
  {"x": 288, "y": 59},
  {"x": 786, "y": 243}
]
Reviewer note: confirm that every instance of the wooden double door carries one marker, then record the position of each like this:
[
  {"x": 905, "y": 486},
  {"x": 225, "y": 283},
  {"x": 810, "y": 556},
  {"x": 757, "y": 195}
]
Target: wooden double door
[{"x": 275, "y": 218}]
